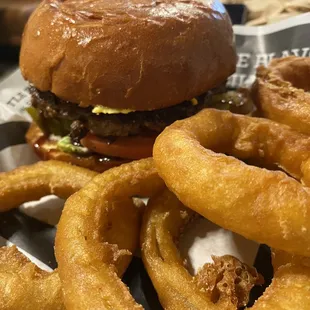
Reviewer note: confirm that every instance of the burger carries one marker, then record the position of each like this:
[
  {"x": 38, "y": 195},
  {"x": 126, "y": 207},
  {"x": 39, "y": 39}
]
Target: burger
[{"x": 106, "y": 77}]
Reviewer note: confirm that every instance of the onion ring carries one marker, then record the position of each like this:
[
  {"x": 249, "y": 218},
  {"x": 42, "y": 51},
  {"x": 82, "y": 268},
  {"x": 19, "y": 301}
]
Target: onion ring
[
  {"x": 281, "y": 92},
  {"x": 52, "y": 177},
  {"x": 281, "y": 258},
  {"x": 20, "y": 279},
  {"x": 289, "y": 289},
  {"x": 163, "y": 222},
  {"x": 25, "y": 286},
  {"x": 86, "y": 258},
  {"x": 230, "y": 193},
  {"x": 290, "y": 285},
  {"x": 28, "y": 183}
]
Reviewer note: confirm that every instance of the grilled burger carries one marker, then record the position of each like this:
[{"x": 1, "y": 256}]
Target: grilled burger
[{"x": 106, "y": 77}]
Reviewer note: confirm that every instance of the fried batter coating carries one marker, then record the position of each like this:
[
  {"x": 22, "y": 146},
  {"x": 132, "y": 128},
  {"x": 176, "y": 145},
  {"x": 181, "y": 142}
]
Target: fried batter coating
[
  {"x": 25, "y": 286},
  {"x": 87, "y": 259},
  {"x": 227, "y": 279},
  {"x": 281, "y": 258},
  {"x": 265, "y": 206},
  {"x": 222, "y": 285},
  {"x": 28, "y": 183},
  {"x": 121, "y": 230},
  {"x": 289, "y": 290},
  {"x": 22, "y": 284},
  {"x": 22, "y": 281},
  {"x": 281, "y": 92},
  {"x": 290, "y": 287}
]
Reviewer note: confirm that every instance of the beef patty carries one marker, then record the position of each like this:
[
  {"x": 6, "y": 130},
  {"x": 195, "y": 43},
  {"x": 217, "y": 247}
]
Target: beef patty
[{"x": 62, "y": 117}]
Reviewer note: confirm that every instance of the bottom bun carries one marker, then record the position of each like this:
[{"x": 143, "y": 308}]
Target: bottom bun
[{"x": 47, "y": 149}]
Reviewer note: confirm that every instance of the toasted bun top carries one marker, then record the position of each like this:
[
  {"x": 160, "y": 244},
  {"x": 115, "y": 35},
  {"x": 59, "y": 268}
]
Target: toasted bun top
[{"x": 137, "y": 54}]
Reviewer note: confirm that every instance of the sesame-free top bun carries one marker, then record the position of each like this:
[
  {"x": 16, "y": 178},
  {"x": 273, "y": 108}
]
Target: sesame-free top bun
[{"x": 138, "y": 54}]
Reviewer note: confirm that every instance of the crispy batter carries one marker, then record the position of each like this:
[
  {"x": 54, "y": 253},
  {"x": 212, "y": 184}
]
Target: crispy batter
[
  {"x": 121, "y": 230},
  {"x": 24, "y": 286},
  {"x": 271, "y": 11},
  {"x": 86, "y": 257},
  {"x": 289, "y": 290},
  {"x": 162, "y": 223},
  {"x": 245, "y": 198},
  {"x": 290, "y": 287},
  {"x": 281, "y": 258},
  {"x": 232, "y": 194},
  {"x": 281, "y": 92},
  {"x": 221, "y": 285},
  {"x": 227, "y": 278},
  {"x": 28, "y": 183}
]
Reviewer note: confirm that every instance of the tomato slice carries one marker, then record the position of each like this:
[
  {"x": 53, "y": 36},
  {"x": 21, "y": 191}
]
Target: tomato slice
[{"x": 132, "y": 147}]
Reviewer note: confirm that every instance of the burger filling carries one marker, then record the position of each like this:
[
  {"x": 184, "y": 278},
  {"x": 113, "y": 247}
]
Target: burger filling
[{"x": 129, "y": 135}]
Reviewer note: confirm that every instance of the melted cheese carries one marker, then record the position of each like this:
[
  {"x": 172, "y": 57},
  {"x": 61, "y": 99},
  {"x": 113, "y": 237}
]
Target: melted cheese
[
  {"x": 194, "y": 101},
  {"x": 100, "y": 109}
]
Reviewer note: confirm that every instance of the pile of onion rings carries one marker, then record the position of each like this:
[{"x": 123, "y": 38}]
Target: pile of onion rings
[
  {"x": 234, "y": 195},
  {"x": 85, "y": 255},
  {"x": 163, "y": 222},
  {"x": 83, "y": 230},
  {"x": 94, "y": 241},
  {"x": 23, "y": 285},
  {"x": 199, "y": 160},
  {"x": 281, "y": 92},
  {"x": 244, "y": 198}
]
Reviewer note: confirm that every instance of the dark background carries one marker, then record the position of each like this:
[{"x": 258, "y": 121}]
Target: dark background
[{"x": 8, "y": 60}]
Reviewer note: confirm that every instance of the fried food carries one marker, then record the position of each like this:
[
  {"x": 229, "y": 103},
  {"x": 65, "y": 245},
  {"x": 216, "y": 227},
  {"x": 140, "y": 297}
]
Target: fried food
[
  {"x": 22, "y": 281},
  {"x": 25, "y": 286},
  {"x": 99, "y": 230},
  {"x": 291, "y": 283},
  {"x": 101, "y": 233},
  {"x": 121, "y": 227},
  {"x": 243, "y": 198},
  {"x": 271, "y": 11},
  {"x": 190, "y": 158},
  {"x": 289, "y": 289},
  {"x": 28, "y": 183},
  {"x": 228, "y": 278},
  {"x": 281, "y": 92},
  {"x": 88, "y": 260},
  {"x": 280, "y": 258},
  {"x": 222, "y": 285}
]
